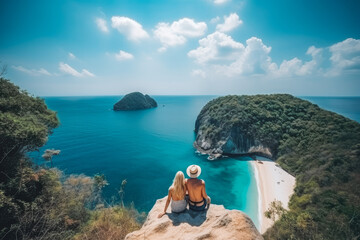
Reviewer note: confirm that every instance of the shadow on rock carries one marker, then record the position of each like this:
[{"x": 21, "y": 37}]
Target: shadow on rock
[{"x": 188, "y": 216}]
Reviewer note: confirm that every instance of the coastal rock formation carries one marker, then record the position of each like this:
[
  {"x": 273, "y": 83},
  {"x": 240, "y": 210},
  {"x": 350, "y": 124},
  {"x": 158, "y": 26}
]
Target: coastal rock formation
[
  {"x": 320, "y": 148},
  {"x": 135, "y": 101},
  {"x": 219, "y": 130},
  {"x": 216, "y": 223}
]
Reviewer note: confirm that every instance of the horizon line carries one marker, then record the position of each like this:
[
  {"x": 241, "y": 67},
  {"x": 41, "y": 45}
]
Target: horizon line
[{"x": 210, "y": 95}]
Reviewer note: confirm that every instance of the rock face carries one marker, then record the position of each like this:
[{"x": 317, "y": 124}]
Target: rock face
[
  {"x": 135, "y": 101},
  {"x": 226, "y": 126},
  {"x": 216, "y": 223}
]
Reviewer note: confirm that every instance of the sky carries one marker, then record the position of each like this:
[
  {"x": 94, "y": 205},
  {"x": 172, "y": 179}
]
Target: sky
[{"x": 183, "y": 47}]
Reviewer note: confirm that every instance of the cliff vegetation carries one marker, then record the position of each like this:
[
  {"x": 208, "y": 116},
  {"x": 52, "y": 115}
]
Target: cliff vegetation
[
  {"x": 40, "y": 202},
  {"x": 321, "y": 148}
]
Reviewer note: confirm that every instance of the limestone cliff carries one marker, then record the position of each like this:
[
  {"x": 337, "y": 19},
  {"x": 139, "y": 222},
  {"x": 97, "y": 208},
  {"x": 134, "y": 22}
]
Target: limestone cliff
[
  {"x": 215, "y": 223},
  {"x": 220, "y": 129},
  {"x": 135, "y": 101}
]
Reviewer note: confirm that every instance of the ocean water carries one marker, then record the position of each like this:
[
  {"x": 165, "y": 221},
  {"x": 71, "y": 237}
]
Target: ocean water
[
  {"x": 148, "y": 147},
  {"x": 346, "y": 106}
]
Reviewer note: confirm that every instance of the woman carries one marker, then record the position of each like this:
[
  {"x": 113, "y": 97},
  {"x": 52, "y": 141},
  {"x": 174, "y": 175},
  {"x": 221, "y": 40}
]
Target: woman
[{"x": 177, "y": 192}]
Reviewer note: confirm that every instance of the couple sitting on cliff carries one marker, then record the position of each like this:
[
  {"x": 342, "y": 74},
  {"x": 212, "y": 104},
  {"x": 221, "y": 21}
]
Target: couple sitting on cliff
[{"x": 184, "y": 191}]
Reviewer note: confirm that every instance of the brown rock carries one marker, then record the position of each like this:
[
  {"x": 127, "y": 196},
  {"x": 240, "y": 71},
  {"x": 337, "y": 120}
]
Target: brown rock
[{"x": 215, "y": 223}]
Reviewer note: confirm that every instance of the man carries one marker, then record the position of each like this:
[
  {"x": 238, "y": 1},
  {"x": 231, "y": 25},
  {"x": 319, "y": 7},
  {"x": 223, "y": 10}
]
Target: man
[{"x": 198, "y": 199}]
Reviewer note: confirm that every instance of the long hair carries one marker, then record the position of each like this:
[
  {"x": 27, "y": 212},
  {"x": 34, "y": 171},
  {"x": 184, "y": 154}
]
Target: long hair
[{"x": 178, "y": 185}]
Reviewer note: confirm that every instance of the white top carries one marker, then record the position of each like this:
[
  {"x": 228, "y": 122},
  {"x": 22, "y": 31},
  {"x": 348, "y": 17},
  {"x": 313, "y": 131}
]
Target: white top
[{"x": 178, "y": 206}]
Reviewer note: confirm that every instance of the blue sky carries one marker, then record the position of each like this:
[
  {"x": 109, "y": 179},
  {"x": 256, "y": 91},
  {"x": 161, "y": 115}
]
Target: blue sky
[{"x": 184, "y": 47}]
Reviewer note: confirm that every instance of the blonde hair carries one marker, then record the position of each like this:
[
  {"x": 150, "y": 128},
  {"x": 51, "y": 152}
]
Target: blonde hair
[{"x": 178, "y": 185}]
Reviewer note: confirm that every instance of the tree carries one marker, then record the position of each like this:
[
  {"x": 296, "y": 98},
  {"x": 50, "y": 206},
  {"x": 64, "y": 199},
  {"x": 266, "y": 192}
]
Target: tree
[
  {"x": 3, "y": 69},
  {"x": 25, "y": 122}
]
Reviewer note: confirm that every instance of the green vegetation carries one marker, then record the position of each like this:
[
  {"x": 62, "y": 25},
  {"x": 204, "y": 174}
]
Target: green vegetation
[
  {"x": 321, "y": 148},
  {"x": 41, "y": 203}
]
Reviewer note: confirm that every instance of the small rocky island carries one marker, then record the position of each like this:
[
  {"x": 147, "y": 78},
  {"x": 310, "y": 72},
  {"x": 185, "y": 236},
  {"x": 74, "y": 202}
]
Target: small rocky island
[{"x": 135, "y": 101}]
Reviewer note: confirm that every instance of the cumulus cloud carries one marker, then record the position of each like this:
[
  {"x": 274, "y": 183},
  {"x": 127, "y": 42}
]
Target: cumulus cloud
[
  {"x": 71, "y": 71},
  {"x": 216, "y": 46},
  {"x": 32, "y": 72},
  {"x": 129, "y": 27},
  {"x": 296, "y": 66},
  {"x": 219, "y": 54},
  {"x": 254, "y": 59},
  {"x": 228, "y": 57},
  {"x": 230, "y": 22},
  {"x": 122, "y": 55},
  {"x": 102, "y": 25},
  {"x": 345, "y": 56},
  {"x": 178, "y": 32}
]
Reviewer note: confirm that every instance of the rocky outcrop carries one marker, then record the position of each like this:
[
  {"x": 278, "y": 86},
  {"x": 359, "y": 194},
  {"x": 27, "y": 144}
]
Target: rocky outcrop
[
  {"x": 215, "y": 223},
  {"x": 135, "y": 101},
  {"x": 231, "y": 140}
]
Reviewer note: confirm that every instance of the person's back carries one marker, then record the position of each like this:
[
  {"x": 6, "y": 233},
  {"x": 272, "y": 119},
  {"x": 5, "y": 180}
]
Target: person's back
[
  {"x": 198, "y": 199},
  {"x": 195, "y": 188},
  {"x": 176, "y": 195}
]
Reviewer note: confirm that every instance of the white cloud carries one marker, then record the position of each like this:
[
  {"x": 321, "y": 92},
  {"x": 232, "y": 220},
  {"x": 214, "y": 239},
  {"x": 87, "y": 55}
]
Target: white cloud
[
  {"x": 85, "y": 72},
  {"x": 345, "y": 56},
  {"x": 220, "y": 1},
  {"x": 102, "y": 24},
  {"x": 71, "y": 71},
  {"x": 230, "y": 23},
  {"x": 122, "y": 55},
  {"x": 215, "y": 20},
  {"x": 129, "y": 27},
  {"x": 254, "y": 59},
  {"x": 71, "y": 55},
  {"x": 177, "y": 32},
  {"x": 216, "y": 46},
  {"x": 296, "y": 66},
  {"x": 167, "y": 37},
  {"x": 199, "y": 72},
  {"x": 220, "y": 55},
  {"x": 32, "y": 72}
]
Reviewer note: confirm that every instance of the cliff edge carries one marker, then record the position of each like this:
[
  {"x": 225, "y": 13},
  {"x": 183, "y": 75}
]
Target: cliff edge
[{"x": 215, "y": 223}]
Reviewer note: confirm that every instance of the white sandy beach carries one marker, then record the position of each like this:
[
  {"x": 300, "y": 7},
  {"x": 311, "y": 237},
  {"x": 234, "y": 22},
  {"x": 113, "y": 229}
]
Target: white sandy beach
[{"x": 274, "y": 183}]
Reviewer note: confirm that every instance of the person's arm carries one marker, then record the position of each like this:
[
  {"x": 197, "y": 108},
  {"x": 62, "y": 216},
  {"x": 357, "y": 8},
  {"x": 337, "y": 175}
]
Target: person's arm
[
  {"x": 203, "y": 192},
  {"x": 166, "y": 205}
]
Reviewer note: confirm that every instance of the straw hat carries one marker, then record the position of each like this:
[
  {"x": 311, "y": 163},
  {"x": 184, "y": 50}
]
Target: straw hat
[{"x": 193, "y": 171}]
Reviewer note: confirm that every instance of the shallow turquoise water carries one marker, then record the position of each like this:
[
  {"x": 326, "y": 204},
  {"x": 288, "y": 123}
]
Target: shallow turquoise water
[
  {"x": 148, "y": 147},
  {"x": 145, "y": 147}
]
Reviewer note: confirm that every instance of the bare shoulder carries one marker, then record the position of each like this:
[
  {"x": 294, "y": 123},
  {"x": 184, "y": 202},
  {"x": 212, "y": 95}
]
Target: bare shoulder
[{"x": 202, "y": 182}]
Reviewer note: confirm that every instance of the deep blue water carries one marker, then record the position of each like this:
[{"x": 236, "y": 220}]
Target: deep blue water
[
  {"x": 148, "y": 147},
  {"x": 346, "y": 106}
]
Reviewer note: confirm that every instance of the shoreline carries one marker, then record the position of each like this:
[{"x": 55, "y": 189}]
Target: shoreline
[
  {"x": 259, "y": 212},
  {"x": 273, "y": 183}
]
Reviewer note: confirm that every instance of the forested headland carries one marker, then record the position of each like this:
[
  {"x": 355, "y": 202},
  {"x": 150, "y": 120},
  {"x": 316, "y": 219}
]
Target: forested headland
[{"x": 319, "y": 147}]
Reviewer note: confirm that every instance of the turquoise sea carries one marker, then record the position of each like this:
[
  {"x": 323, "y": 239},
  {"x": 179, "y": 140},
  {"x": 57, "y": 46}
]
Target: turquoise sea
[{"x": 148, "y": 147}]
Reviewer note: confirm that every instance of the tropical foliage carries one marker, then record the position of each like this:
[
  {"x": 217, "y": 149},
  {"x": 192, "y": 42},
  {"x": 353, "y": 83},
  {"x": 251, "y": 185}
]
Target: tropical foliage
[
  {"x": 321, "y": 148},
  {"x": 42, "y": 203}
]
